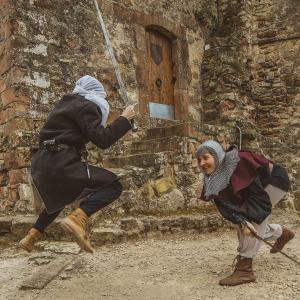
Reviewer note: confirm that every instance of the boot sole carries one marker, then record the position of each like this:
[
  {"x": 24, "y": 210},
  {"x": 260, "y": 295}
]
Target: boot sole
[
  {"x": 247, "y": 281},
  {"x": 70, "y": 227},
  {"x": 23, "y": 246}
]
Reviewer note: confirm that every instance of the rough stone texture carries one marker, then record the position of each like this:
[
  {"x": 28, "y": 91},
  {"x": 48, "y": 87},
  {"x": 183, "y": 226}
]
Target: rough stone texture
[
  {"x": 236, "y": 63},
  {"x": 45, "y": 274},
  {"x": 276, "y": 83},
  {"x": 251, "y": 80},
  {"x": 47, "y": 45}
]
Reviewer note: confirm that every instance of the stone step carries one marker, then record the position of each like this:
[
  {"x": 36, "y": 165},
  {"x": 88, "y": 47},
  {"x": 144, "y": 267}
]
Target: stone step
[
  {"x": 132, "y": 176},
  {"x": 187, "y": 129},
  {"x": 143, "y": 160},
  {"x": 171, "y": 143},
  {"x": 149, "y": 226},
  {"x": 125, "y": 228}
]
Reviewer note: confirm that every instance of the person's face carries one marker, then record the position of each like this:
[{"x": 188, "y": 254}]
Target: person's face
[{"x": 207, "y": 163}]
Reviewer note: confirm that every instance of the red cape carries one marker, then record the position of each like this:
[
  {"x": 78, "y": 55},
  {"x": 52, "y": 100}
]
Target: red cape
[{"x": 245, "y": 172}]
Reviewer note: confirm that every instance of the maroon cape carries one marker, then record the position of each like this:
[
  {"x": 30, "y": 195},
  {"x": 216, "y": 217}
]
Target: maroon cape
[{"x": 244, "y": 174}]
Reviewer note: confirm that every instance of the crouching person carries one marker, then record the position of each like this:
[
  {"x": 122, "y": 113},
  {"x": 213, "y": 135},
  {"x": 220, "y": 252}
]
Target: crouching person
[
  {"x": 244, "y": 184},
  {"x": 57, "y": 169}
]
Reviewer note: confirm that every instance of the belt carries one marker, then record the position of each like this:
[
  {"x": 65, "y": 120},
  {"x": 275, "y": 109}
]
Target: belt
[{"x": 53, "y": 146}]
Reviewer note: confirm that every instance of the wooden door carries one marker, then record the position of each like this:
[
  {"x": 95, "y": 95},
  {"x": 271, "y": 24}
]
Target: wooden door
[{"x": 161, "y": 80}]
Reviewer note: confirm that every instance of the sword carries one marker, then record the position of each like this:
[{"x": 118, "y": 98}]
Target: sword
[
  {"x": 114, "y": 62},
  {"x": 244, "y": 222}
]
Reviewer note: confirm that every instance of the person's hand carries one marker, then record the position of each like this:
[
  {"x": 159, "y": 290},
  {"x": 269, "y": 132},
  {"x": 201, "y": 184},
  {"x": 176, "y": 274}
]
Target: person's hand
[
  {"x": 248, "y": 229},
  {"x": 128, "y": 112}
]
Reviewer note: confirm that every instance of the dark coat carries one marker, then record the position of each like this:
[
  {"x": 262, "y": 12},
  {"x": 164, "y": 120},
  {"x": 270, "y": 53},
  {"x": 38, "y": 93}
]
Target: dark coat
[
  {"x": 61, "y": 177},
  {"x": 245, "y": 195}
]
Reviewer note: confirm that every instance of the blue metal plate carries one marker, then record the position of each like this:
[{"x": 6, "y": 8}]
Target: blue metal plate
[{"x": 161, "y": 111}]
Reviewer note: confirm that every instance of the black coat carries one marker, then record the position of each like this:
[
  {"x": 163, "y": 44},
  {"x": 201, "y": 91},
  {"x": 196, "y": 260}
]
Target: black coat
[
  {"x": 61, "y": 177},
  {"x": 254, "y": 203}
]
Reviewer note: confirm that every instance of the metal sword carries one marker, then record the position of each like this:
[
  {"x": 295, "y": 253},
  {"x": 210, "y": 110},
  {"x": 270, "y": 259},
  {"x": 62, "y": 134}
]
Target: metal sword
[
  {"x": 123, "y": 92},
  {"x": 244, "y": 222}
]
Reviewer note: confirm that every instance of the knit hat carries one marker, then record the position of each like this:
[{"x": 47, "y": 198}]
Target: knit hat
[{"x": 225, "y": 162}]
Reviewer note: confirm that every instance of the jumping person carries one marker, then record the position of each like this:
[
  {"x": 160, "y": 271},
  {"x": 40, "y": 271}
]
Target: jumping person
[
  {"x": 242, "y": 183},
  {"x": 57, "y": 168}
]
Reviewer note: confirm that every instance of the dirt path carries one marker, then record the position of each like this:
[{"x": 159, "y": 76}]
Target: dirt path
[{"x": 175, "y": 267}]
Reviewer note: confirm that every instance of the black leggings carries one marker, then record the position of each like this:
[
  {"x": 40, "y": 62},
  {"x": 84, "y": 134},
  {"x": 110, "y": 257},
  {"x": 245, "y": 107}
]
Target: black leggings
[{"x": 90, "y": 205}]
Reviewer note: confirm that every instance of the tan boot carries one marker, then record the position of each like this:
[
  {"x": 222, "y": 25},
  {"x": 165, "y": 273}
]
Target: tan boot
[
  {"x": 75, "y": 224},
  {"x": 285, "y": 237},
  {"x": 30, "y": 239},
  {"x": 243, "y": 273}
]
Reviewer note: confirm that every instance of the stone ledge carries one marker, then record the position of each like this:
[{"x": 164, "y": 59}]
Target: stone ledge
[
  {"x": 125, "y": 228},
  {"x": 143, "y": 227}
]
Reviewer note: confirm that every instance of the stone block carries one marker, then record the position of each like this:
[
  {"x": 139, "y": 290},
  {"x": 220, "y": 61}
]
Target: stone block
[
  {"x": 62, "y": 247},
  {"x": 5, "y": 224},
  {"x": 3, "y": 193},
  {"x": 130, "y": 224},
  {"x": 18, "y": 125},
  {"x": 10, "y": 96},
  {"x": 101, "y": 236},
  {"x": 156, "y": 145},
  {"x": 168, "y": 202},
  {"x": 163, "y": 185},
  {"x": 17, "y": 176},
  {"x": 21, "y": 225},
  {"x": 46, "y": 273},
  {"x": 5, "y": 29},
  {"x": 18, "y": 158},
  {"x": 138, "y": 160},
  {"x": 13, "y": 194},
  {"x": 5, "y": 62},
  {"x": 24, "y": 192},
  {"x": 149, "y": 191}
]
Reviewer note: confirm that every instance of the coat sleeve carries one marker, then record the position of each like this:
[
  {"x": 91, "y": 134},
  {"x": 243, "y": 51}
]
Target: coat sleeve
[
  {"x": 88, "y": 119},
  {"x": 255, "y": 206}
]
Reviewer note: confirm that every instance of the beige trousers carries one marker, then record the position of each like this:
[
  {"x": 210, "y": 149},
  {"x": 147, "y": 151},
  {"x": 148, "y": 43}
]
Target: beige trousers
[{"x": 248, "y": 245}]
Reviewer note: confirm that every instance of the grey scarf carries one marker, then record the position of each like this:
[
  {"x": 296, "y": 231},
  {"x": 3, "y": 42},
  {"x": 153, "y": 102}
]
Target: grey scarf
[
  {"x": 92, "y": 89},
  {"x": 226, "y": 163}
]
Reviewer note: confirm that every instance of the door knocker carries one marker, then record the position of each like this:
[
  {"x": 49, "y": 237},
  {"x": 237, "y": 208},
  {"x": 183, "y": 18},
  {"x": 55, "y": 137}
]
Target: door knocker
[{"x": 158, "y": 83}]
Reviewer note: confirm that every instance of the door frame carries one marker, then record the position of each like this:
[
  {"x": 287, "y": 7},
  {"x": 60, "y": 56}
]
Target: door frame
[{"x": 176, "y": 34}]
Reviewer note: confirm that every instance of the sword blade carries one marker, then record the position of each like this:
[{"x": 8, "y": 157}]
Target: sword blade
[
  {"x": 123, "y": 91},
  {"x": 269, "y": 244}
]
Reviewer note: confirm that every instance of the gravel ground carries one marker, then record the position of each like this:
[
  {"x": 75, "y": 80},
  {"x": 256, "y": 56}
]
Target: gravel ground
[{"x": 181, "y": 266}]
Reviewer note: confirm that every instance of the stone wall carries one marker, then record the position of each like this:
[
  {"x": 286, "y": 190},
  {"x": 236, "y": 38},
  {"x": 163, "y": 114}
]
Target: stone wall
[
  {"x": 236, "y": 66},
  {"x": 276, "y": 83},
  {"x": 225, "y": 70},
  {"x": 251, "y": 80},
  {"x": 47, "y": 45}
]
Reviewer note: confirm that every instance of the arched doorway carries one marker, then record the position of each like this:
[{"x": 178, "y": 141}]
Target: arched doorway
[{"x": 161, "y": 79}]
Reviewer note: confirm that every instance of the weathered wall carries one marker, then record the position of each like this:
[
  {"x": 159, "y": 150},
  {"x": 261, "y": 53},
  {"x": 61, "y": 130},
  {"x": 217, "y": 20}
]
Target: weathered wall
[
  {"x": 53, "y": 43},
  {"x": 248, "y": 77},
  {"x": 276, "y": 82},
  {"x": 251, "y": 79},
  {"x": 225, "y": 70}
]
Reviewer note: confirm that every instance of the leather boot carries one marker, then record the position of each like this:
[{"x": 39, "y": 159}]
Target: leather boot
[
  {"x": 76, "y": 224},
  {"x": 30, "y": 239},
  {"x": 243, "y": 273},
  {"x": 285, "y": 237}
]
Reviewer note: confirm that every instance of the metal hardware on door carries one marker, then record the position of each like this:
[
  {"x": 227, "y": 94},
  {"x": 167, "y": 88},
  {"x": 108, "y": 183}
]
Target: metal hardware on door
[{"x": 158, "y": 82}]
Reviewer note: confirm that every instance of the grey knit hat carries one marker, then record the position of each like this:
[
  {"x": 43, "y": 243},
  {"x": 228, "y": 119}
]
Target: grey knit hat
[
  {"x": 214, "y": 148},
  {"x": 226, "y": 163}
]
